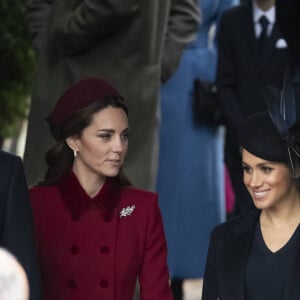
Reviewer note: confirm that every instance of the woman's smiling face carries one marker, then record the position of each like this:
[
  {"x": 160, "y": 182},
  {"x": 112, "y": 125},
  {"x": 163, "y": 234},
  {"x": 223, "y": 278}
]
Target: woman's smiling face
[{"x": 270, "y": 184}]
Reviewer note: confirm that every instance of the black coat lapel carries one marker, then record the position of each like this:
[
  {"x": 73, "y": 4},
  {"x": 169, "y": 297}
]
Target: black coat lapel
[
  {"x": 237, "y": 252},
  {"x": 247, "y": 29},
  {"x": 293, "y": 284}
]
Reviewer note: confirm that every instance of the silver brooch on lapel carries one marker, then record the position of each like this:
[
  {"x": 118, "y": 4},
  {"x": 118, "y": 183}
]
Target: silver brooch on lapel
[{"x": 127, "y": 211}]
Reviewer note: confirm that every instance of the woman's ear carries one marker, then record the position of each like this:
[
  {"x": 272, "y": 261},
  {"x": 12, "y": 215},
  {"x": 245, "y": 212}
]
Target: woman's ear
[{"x": 72, "y": 141}]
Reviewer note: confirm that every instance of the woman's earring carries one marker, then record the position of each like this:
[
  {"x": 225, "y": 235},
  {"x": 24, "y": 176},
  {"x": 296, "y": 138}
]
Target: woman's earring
[{"x": 75, "y": 153}]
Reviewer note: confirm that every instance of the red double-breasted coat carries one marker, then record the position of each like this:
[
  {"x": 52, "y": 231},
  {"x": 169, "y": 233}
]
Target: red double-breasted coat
[{"x": 97, "y": 248}]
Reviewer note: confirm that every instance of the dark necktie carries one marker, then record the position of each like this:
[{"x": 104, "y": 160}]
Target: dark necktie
[{"x": 263, "y": 38}]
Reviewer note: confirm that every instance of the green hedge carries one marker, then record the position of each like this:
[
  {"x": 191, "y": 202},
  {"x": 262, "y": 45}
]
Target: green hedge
[{"x": 17, "y": 62}]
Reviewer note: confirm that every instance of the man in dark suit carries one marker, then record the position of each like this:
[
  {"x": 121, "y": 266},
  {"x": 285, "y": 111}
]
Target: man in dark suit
[
  {"x": 16, "y": 223},
  {"x": 252, "y": 55},
  {"x": 287, "y": 13}
]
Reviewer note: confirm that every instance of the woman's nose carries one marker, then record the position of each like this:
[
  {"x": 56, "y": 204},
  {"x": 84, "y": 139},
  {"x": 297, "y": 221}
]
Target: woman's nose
[
  {"x": 118, "y": 145},
  {"x": 254, "y": 180}
]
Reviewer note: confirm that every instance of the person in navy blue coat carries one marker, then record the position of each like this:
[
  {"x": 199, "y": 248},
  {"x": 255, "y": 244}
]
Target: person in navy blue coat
[{"x": 16, "y": 220}]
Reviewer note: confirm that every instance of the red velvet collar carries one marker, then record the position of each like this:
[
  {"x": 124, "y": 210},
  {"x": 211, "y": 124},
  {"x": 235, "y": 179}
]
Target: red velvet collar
[{"x": 78, "y": 201}]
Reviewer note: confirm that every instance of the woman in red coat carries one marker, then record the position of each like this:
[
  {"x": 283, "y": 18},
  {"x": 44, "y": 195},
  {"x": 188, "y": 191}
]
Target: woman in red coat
[{"x": 96, "y": 234}]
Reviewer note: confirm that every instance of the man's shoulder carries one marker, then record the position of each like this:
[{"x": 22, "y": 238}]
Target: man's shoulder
[
  {"x": 6, "y": 155},
  {"x": 7, "y": 159},
  {"x": 235, "y": 13}
]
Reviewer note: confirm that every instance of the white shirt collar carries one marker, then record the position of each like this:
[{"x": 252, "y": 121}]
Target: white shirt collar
[{"x": 257, "y": 13}]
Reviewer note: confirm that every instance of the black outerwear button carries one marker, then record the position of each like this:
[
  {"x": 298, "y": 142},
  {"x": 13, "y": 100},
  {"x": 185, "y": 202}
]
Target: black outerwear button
[
  {"x": 106, "y": 218},
  {"x": 104, "y": 249},
  {"x": 75, "y": 217},
  {"x": 104, "y": 283},
  {"x": 72, "y": 284},
  {"x": 74, "y": 249}
]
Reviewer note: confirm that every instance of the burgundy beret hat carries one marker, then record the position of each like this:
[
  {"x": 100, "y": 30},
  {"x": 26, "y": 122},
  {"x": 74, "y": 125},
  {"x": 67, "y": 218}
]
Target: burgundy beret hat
[{"x": 79, "y": 95}]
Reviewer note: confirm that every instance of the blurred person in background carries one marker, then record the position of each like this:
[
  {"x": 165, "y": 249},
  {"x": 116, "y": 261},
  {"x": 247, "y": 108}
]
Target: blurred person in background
[
  {"x": 190, "y": 178},
  {"x": 287, "y": 14},
  {"x": 289, "y": 23}
]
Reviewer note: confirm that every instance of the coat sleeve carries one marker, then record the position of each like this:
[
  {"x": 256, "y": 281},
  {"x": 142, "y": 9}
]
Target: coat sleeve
[
  {"x": 76, "y": 28},
  {"x": 154, "y": 274},
  {"x": 210, "y": 281},
  {"x": 226, "y": 74},
  {"x": 37, "y": 16},
  {"x": 183, "y": 22},
  {"x": 17, "y": 227}
]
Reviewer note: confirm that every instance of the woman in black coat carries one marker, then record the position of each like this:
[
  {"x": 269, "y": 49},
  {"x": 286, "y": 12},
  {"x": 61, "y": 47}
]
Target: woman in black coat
[{"x": 257, "y": 255}]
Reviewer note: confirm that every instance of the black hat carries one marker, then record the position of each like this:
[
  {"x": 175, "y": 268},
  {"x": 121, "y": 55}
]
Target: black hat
[
  {"x": 275, "y": 135},
  {"x": 259, "y": 136}
]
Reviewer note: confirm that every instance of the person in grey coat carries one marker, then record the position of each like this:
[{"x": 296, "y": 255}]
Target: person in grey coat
[
  {"x": 16, "y": 220},
  {"x": 133, "y": 44}
]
